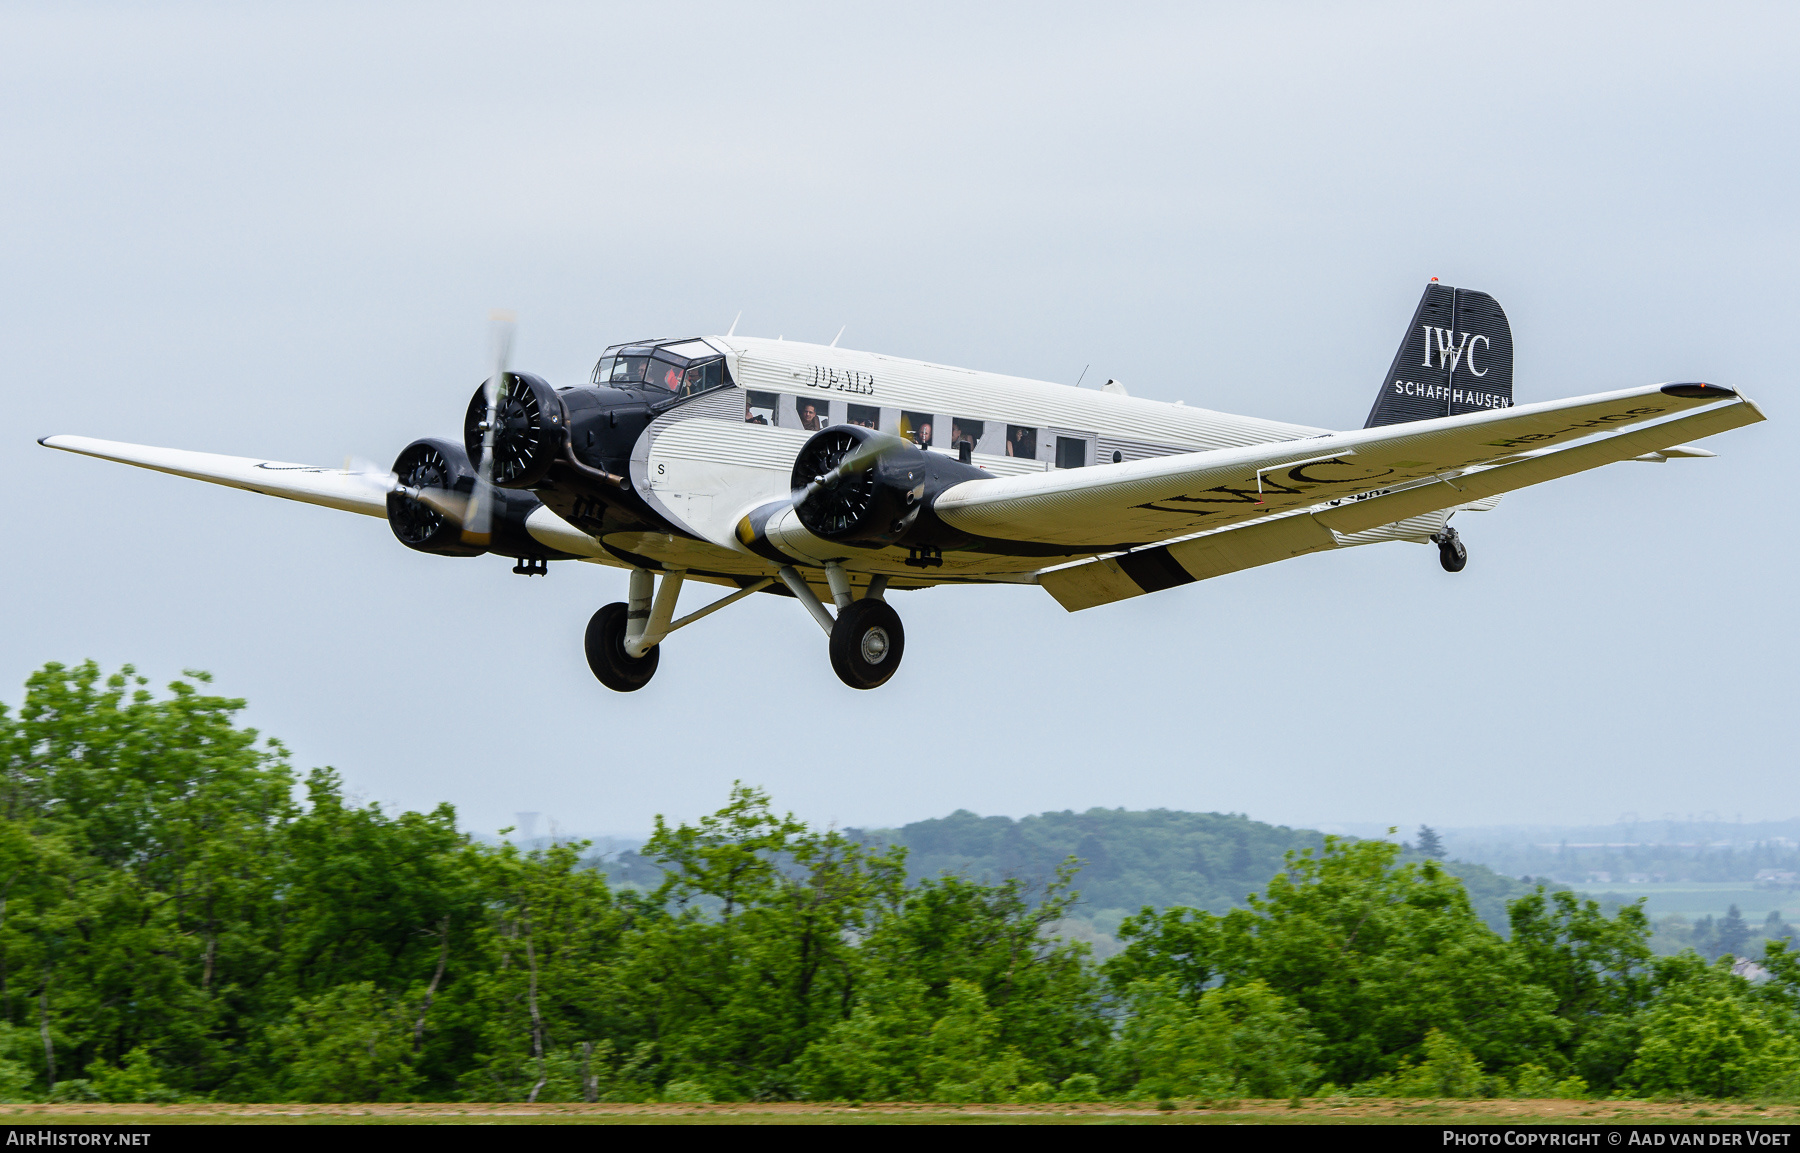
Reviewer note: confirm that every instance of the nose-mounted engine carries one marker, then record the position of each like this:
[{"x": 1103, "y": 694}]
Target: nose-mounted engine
[{"x": 530, "y": 430}]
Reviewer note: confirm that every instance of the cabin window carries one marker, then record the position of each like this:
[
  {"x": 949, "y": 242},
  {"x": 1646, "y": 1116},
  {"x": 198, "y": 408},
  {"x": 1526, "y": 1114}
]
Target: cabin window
[
  {"x": 814, "y": 413},
  {"x": 1021, "y": 442},
  {"x": 917, "y": 427},
  {"x": 964, "y": 430},
  {"x": 759, "y": 407},
  {"x": 1071, "y": 452},
  {"x": 866, "y": 415}
]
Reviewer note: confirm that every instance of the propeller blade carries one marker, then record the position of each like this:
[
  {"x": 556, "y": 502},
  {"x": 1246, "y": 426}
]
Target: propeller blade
[{"x": 478, "y": 524}]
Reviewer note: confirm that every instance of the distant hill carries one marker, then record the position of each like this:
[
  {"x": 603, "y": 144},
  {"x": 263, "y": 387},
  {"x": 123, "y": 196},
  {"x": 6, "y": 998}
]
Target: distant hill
[{"x": 1130, "y": 859}]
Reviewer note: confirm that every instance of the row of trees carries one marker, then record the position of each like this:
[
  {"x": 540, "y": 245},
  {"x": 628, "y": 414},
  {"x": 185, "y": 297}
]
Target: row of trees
[{"x": 174, "y": 922}]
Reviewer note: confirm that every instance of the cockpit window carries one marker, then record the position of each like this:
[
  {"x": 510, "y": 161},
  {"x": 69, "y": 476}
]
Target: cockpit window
[{"x": 663, "y": 369}]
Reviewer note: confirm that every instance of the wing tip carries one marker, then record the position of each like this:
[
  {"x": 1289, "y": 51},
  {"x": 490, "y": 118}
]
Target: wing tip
[{"x": 1698, "y": 390}]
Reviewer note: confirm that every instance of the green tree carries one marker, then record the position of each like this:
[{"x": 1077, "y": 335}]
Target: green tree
[
  {"x": 349, "y": 1043},
  {"x": 1243, "y": 1040},
  {"x": 1378, "y": 954},
  {"x": 1598, "y": 969},
  {"x": 543, "y": 987},
  {"x": 1707, "y": 1032},
  {"x": 755, "y": 957},
  {"x": 1043, "y": 992}
]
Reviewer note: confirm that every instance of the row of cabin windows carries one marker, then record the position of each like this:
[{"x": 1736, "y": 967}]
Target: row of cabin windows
[{"x": 996, "y": 438}]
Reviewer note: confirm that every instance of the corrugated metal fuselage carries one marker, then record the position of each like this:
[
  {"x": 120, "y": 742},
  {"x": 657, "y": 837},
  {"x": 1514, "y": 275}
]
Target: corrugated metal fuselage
[{"x": 705, "y": 464}]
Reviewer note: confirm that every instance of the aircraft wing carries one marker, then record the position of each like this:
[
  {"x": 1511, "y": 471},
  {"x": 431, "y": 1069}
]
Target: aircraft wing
[
  {"x": 1116, "y": 506},
  {"x": 1290, "y": 534},
  {"x": 332, "y": 487}
]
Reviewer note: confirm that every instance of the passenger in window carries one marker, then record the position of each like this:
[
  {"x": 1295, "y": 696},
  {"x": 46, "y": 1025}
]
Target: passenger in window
[
  {"x": 966, "y": 430},
  {"x": 759, "y": 407},
  {"x": 1021, "y": 442},
  {"x": 865, "y": 415},
  {"x": 812, "y": 414},
  {"x": 922, "y": 435}
]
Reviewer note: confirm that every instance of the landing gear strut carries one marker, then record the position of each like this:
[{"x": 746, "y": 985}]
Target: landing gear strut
[
  {"x": 1452, "y": 553},
  {"x": 866, "y": 638},
  {"x": 623, "y": 639}
]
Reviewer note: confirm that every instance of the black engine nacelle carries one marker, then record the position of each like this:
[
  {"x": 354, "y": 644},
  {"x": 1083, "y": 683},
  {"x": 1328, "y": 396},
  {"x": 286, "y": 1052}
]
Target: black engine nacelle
[
  {"x": 440, "y": 464},
  {"x": 532, "y": 429},
  {"x": 887, "y": 503}
]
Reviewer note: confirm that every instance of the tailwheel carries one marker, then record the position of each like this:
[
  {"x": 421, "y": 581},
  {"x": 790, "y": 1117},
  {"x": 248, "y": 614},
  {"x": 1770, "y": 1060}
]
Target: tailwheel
[
  {"x": 866, "y": 643},
  {"x": 1452, "y": 553},
  {"x": 606, "y": 655}
]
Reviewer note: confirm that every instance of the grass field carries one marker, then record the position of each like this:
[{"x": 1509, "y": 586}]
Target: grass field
[
  {"x": 1311, "y": 1112},
  {"x": 1701, "y": 898}
]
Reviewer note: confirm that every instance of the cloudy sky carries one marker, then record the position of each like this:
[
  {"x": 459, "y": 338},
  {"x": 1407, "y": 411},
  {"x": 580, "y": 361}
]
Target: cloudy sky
[{"x": 277, "y": 230}]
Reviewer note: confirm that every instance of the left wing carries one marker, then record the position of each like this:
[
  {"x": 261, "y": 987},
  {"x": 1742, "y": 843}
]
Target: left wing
[
  {"x": 1112, "y": 507},
  {"x": 1290, "y": 534}
]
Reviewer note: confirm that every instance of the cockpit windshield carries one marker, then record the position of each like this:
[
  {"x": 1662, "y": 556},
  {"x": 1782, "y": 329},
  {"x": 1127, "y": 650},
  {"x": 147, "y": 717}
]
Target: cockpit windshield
[{"x": 678, "y": 368}]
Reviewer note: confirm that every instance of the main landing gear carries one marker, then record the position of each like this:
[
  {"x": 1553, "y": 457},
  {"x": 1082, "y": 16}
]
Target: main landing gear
[
  {"x": 1452, "y": 553},
  {"x": 623, "y": 639},
  {"x": 866, "y": 638}
]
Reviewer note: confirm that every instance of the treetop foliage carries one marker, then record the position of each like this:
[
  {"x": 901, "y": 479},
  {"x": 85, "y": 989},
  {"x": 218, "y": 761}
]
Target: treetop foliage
[{"x": 181, "y": 916}]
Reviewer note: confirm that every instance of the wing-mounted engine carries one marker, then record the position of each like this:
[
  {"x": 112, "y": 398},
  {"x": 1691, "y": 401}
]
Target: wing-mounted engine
[
  {"x": 531, "y": 428},
  {"x": 858, "y": 486},
  {"x": 435, "y": 482}
]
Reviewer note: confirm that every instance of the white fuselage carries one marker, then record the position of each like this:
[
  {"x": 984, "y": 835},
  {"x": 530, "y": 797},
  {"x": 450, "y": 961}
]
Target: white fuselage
[{"x": 707, "y": 463}]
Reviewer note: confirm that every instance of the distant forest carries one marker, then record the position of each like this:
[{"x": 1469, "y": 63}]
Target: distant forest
[
  {"x": 185, "y": 917},
  {"x": 1159, "y": 858}
]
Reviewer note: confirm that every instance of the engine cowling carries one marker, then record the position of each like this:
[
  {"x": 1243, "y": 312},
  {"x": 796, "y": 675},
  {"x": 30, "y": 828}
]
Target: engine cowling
[
  {"x": 431, "y": 464},
  {"x": 889, "y": 502},
  {"x": 532, "y": 430},
  {"x": 441, "y": 464}
]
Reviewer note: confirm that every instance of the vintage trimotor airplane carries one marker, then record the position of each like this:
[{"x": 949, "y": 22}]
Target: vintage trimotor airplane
[{"x": 836, "y": 477}]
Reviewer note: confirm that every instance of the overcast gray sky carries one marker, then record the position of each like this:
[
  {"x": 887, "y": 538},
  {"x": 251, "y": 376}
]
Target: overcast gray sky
[{"x": 276, "y": 231}]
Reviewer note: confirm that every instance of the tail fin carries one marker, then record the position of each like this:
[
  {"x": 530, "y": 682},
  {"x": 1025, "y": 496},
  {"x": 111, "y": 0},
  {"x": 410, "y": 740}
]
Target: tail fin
[{"x": 1457, "y": 357}]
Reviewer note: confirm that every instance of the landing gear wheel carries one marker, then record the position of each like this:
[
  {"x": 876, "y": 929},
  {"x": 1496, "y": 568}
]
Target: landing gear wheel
[
  {"x": 866, "y": 643},
  {"x": 605, "y": 645},
  {"x": 1452, "y": 553}
]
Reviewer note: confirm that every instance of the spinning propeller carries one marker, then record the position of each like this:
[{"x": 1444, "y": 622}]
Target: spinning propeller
[
  {"x": 478, "y": 523},
  {"x": 428, "y": 479}
]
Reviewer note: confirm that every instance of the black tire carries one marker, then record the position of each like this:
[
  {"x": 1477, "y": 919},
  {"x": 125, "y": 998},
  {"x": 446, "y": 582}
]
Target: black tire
[
  {"x": 866, "y": 644},
  {"x": 1453, "y": 555},
  {"x": 605, "y": 644}
]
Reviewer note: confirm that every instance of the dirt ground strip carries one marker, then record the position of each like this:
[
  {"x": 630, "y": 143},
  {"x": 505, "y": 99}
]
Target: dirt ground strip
[{"x": 1315, "y": 1112}]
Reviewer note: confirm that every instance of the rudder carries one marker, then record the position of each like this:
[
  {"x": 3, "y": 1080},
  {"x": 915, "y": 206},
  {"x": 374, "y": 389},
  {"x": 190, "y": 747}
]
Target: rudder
[{"x": 1457, "y": 357}]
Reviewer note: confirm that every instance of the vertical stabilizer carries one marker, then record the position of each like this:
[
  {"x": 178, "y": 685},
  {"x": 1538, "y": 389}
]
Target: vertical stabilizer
[{"x": 1457, "y": 357}]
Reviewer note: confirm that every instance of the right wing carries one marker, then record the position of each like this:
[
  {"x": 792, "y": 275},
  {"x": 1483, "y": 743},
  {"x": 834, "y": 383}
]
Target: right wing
[
  {"x": 1117, "y": 506},
  {"x": 332, "y": 487}
]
